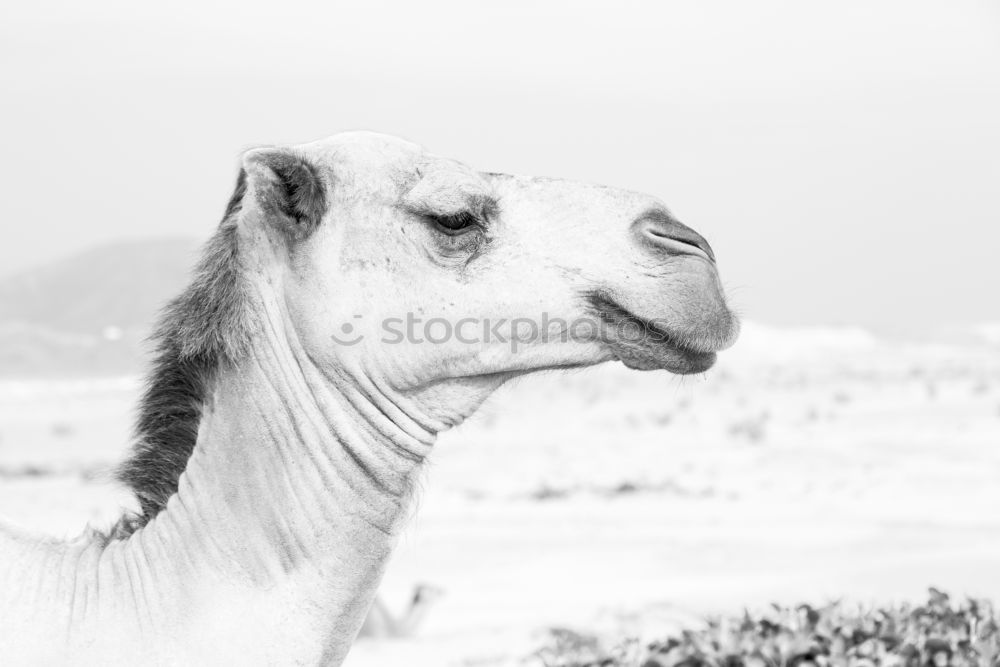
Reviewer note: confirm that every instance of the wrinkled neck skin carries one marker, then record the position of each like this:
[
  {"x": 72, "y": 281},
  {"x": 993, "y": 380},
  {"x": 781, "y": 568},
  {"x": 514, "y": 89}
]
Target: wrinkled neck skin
[{"x": 270, "y": 552}]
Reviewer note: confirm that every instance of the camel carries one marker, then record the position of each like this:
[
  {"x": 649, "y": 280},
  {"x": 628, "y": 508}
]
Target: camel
[
  {"x": 382, "y": 623},
  {"x": 360, "y": 296}
]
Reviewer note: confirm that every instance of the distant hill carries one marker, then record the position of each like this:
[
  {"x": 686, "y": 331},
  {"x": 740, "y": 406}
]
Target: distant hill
[{"x": 89, "y": 313}]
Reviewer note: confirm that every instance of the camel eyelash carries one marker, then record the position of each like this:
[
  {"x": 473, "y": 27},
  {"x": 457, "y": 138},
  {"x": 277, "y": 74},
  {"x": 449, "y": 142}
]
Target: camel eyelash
[{"x": 457, "y": 223}]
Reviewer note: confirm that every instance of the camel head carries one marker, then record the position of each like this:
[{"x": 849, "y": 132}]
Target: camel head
[{"x": 439, "y": 282}]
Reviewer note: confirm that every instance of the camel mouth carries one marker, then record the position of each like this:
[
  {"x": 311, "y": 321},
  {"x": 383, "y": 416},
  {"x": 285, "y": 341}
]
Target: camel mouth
[{"x": 643, "y": 344}]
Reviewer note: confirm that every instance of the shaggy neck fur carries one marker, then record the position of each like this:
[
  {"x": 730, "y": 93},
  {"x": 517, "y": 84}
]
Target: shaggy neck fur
[{"x": 208, "y": 325}]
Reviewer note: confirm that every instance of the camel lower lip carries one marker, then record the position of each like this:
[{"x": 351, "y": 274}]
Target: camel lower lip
[
  {"x": 679, "y": 362},
  {"x": 655, "y": 348}
]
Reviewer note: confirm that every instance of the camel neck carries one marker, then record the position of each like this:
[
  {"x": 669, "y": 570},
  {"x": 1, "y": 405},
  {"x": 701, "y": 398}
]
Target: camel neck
[
  {"x": 279, "y": 439},
  {"x": 272, "y": 547},
  {"x": 289, "y": 506}
]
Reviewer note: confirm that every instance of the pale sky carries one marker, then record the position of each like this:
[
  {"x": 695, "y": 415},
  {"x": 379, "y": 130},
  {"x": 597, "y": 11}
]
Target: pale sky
[{"x": 842, "y": 157}]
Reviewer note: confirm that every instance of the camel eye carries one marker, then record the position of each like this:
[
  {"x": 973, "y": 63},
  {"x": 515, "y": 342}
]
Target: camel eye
[{"x": 455, "y": 223}]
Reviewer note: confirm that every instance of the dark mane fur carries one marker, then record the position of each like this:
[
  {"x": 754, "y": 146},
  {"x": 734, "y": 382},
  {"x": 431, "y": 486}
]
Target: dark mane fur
[{"x": 206, "y": 326}]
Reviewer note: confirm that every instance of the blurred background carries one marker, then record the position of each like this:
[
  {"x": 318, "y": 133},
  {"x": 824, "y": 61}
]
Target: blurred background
[{"x": 843, "y": 159}]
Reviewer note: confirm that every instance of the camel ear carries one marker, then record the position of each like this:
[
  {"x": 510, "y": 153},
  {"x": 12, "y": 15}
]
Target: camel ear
[{"x": 289, "y": 188}]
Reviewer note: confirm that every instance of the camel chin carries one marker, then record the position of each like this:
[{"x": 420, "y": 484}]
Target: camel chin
[
  {"x": 665, "y": 358},
  {"x": 648, "y": 344}
]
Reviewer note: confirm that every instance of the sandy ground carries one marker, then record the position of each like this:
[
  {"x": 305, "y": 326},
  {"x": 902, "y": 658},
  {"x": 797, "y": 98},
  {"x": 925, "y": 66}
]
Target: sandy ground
[{"x": 806, "y": 465}]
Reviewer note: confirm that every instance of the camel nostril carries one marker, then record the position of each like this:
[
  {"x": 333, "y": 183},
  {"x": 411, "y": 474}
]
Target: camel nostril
[{"x": 660, "y": 230}]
